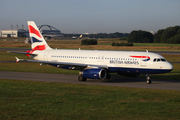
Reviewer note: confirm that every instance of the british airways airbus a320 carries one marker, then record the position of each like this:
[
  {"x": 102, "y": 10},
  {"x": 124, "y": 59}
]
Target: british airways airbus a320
[{"x": 95, "y": 64}]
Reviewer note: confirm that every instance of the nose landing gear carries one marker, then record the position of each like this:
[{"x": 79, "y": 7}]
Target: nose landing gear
[{"x": 148, "y": 81}]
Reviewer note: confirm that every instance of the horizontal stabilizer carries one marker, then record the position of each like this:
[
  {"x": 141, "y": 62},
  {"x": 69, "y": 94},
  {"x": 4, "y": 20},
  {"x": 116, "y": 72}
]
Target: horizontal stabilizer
[{"x": 21, "y": 52}]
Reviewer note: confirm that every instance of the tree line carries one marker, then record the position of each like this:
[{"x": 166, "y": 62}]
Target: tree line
[
  {"x": 100, "y": 35},
  {"x": 168, "y": 35},
  {"x": 140, "y": 37}
]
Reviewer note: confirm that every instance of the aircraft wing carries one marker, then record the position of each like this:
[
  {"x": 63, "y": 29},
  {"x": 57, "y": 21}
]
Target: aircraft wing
[{"x": 62, "y": 63}]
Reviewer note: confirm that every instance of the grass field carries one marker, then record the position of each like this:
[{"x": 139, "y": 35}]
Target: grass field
[
  {"x": 103, "y": 44},
  {"x": 39, "y": 100}
]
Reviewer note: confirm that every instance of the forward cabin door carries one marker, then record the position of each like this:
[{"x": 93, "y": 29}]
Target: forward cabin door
[{"x": 144, "y": 58}]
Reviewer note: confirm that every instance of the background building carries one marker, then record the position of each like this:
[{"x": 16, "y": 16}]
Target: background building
[
  {"x": 9, "y": 33},
  {"x": 15, "y": 32},
  {"x": 46, "y": 30},
  {"x": 49, "y": 31}
]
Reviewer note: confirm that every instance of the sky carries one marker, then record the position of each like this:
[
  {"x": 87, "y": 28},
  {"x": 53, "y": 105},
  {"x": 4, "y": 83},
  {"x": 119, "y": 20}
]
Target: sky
[{"x": 91, "y": 16}]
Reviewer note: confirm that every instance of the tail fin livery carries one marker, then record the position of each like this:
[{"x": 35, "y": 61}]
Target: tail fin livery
[{"x": 37, "y": 40}]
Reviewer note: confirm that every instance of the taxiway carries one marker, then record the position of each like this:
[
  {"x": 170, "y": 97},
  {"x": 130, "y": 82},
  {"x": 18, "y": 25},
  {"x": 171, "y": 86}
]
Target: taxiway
[{"x": 115, "y": 81}]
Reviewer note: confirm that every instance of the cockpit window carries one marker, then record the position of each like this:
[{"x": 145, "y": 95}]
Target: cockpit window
[
  {"x": 159, "y": 59},
  {"x": 162, "y": 59}
]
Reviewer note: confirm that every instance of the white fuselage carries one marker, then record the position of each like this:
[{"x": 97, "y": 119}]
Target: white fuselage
[{"x": 112, "y": 59}]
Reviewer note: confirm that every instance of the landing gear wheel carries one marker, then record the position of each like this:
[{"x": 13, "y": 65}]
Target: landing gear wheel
[
  {"x": 148, "y": 81},
  {"x": 81, "y": 78},
  {"x": 108, "y": 76}
]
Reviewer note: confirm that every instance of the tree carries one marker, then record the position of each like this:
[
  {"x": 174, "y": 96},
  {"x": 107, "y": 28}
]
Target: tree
[
  {"x": 175, "y": 39},
  {"x": 157, "y": 36},
  {"x": 140, "y": 37},
  {"x": 168, "y": 35},
  {"x": 89, "y": 42}
]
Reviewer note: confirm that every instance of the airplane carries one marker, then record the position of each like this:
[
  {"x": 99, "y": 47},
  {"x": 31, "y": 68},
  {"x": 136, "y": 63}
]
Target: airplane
[{"x": 94, "y": 64}]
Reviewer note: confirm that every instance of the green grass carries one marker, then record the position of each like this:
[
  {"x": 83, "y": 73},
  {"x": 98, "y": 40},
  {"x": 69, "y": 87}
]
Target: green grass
[
  {"x": 147, "y": 44},
  {"x": 103, "y": 44},
  {"x": 9, "y": 56},
  {"x": 35, "y": 68},
  {"x": 157, "y": 44},
  {"x": 40, "y": 100}
]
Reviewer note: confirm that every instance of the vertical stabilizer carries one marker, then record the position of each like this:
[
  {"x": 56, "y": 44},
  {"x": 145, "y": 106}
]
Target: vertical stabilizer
[{"x": 37, "y": 40}]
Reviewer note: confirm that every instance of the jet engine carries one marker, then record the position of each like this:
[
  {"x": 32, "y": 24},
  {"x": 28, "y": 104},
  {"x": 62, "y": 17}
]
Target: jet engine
[{"x": 94, "y": 73}]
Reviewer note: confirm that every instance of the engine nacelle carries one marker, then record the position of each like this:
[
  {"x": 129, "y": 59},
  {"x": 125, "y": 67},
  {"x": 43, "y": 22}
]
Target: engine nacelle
[
  {"x": 94, "y": 73},
  {"x": 129, "y": 74}
]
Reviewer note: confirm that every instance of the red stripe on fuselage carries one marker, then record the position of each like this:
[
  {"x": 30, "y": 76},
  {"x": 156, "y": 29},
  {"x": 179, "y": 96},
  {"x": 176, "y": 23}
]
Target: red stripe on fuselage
[
  {"x": 33, "y": 30},
  {"x": 140, "y": 57}
]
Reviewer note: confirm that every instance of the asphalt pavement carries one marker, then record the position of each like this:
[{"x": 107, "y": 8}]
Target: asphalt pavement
[{"x": 73, "y": 79}]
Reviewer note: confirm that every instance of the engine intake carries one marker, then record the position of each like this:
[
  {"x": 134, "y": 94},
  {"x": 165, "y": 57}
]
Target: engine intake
[{"x": 94, "y": 73}]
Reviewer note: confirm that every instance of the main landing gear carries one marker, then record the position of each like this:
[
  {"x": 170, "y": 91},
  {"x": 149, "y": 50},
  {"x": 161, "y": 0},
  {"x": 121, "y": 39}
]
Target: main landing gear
[
  {"x": 148, "y": 81},
  {"x": 81, "y": 78},
  {"x": 108, "y": 76}
]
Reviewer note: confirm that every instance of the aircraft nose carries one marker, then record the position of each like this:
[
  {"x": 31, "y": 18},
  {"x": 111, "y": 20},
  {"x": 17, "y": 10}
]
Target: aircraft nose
[{"x": 170, "y": 66}]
